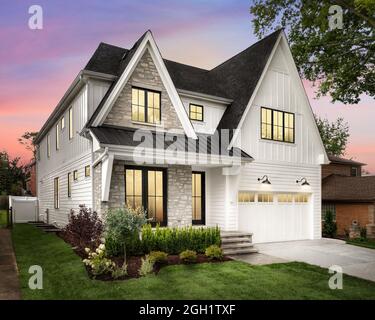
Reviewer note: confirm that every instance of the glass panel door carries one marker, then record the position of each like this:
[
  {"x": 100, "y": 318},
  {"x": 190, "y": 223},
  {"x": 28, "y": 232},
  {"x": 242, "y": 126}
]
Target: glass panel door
[
  {"x": 145, "y": 187},
  {"x": 198, "y": 197},
  {"x": 133, "y": 188}
]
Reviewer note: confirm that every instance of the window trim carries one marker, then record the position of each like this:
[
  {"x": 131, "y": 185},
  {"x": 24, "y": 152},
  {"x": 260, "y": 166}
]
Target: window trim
[
  {"x": 71, "y": 123},
  {"x": 89, "y": 171},
  {"x": 196, "y": 105},
  {"x": 62, "y": 123},
  {"x": 145, "y": 188},
  {"x": 272, "y": 125},
  {"x": 48, "y": 146},
  {"x": 57, "y": 136},
  {"x": 75, "y": 175},
  {"x": 56, "y": 193},
  {"x": 146, "y": 90},
  {"x": 69, "y": 184}
]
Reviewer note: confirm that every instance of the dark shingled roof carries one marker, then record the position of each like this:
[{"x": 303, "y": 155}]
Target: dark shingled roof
[
  {"x": 348, "y": 189},
  {"x": 234, "y": 79},
  {"x": 339, "y": 160},
  {"x": 113, "y": 135}
]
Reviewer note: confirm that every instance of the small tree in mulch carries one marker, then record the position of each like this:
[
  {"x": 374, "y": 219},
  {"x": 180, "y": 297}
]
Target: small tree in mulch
[
  {"x": 123, "y": 225},
  {"x": 84, "y": 229}
]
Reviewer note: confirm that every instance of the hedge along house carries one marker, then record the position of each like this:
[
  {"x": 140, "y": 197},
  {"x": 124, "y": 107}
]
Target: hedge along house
[{"x": 236, "y": 146}]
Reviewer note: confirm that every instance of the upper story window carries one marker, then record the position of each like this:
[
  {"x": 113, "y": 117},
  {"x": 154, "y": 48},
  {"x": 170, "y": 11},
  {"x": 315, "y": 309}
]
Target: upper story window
[
  {"x": 87, "y": 171},
  {"x": 62, "y": 121},
  {"x": 195, "y": 112},
  {"x": 354, "y": 171},
  {"x": 75, "y": 175},
  {"x": 146, "y": 105},
  {"x": 57, "y": 137},
  {"x": 69, "y": 184},
  {"x": 71, "y": 124},
  {"x": 48, "y": 146},
  {"x": 277, "y": 125}
]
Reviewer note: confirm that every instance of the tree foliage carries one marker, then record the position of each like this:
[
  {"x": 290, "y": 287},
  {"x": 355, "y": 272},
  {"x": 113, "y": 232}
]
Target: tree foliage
[
  {"x": 27, "y": 140},
  {"x": 340, "y": 61},
  {"x": 334, "y": 135},
  {"x": 12, "y": 175}
]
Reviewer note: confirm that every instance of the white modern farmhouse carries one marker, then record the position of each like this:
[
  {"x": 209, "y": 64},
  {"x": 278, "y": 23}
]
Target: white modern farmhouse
[{"x": 236, "y": 146}]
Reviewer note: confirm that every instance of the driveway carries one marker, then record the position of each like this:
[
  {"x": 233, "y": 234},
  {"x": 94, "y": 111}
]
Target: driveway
[{"x": 355, "y": 261}]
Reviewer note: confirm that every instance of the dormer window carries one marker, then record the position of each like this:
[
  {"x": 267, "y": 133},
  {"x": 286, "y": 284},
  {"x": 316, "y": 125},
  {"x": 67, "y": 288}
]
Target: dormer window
[
  {"x": 146, "y": 106},
  {"x": 277, "y": 125},
  {"x": 196, "y": 112}
]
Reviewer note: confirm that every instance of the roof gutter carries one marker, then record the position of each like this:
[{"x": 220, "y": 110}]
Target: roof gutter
[{"x": 77, "y": 84}]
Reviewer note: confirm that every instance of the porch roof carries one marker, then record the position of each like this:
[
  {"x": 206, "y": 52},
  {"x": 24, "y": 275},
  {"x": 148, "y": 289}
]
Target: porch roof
[{"x": 205, "y": 144}]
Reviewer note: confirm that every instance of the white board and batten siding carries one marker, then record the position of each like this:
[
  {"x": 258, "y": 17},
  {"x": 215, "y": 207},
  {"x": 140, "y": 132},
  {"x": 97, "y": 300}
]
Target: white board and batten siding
[{"x": 283, "y": 163}]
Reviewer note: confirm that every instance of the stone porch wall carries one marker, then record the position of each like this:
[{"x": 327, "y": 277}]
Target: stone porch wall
[
  {"x": 179, "y": 196},
  {"x": 179, "y": 207}
]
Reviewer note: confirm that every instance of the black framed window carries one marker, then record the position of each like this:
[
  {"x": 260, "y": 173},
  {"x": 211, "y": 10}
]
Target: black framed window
[
  {"x": 198, "y": 197},
  {"x": 56, "y": 198},
  {"x": 354, "y": 171},
  {"x": 147, "y": 187},
  {"x": 195, "y": 112},
  {"x": 75, "y": 175},
  {"x": 146, "y": 105},
  {"x": 87, "y": 171},
  {"x": 277, "y": 125},
  {"x": 69, "y": 184}
]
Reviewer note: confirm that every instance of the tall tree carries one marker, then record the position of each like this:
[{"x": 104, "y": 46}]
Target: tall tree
[
  {"x": 27, "y": 139},
  {"x": 12, "y": 175},
  {"x": 334, "y": 135},
  {"x": 341, "y": 61}
]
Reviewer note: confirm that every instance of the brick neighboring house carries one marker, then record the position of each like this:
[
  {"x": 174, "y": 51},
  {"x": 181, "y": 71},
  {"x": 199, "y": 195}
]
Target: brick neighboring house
[
  {"x": 31, "y": 180},
  {"x": 348, "y": 194}
]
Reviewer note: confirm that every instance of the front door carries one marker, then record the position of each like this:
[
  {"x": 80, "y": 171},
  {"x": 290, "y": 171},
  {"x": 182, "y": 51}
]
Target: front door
[
  {"x": 146, "y": 187},
  {"x": 198, "y": 197}
]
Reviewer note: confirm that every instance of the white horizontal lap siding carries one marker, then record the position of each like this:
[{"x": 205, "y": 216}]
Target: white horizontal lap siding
[
  {"x": 72, "y": 155},
  {"x": 80, "y": 191},
  {"x": 215, "y": 198}
]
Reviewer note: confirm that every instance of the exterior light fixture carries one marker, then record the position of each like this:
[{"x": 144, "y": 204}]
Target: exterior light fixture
[
  {"x": 264, "y": 180},
  {"x": 304, "y": 182}
]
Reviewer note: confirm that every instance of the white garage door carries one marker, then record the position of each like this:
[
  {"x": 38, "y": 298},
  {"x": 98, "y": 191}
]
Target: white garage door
[
  {"x": 272, "y": 221},
  {"x": 24, "y": 208}
]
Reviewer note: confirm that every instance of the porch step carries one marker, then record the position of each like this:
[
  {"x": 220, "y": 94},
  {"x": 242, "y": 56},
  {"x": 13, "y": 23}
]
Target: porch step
[
  {"x": 237, "y": 242},
  {"x": 233, "y": 252}
]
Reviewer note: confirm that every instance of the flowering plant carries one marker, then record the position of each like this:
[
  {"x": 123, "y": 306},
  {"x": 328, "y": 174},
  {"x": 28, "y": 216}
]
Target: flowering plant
[{"x": 98, "y": 262}]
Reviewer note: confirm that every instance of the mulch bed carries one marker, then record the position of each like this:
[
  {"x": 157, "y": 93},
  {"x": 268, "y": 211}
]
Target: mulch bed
[{"x": 135, "y": 262}]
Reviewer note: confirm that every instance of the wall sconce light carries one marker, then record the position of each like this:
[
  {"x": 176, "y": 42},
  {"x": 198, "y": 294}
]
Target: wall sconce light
[
  {"x": 264, "y": 180},
  {"x": 304, "y": 182}
]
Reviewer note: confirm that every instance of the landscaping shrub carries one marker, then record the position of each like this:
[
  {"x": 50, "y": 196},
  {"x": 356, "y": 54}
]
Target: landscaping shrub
[
  {"x": 147, "y": 266},
  {"x": 158, "y": 256},
  {"x": 176, "y": 240},
  {"x": 119, "y": 272},
  {"x": 214, "y": 252},
  {"x": 363, "y": 233},
  {"x": 188, "y": 256},
  {"x": 84, "y": 229},
  {"x": 98, "y": 262},
  {"x": 4, "y": 202},
  {"x": 122, "y": 227},
  {"x": 329, "y": 225}
]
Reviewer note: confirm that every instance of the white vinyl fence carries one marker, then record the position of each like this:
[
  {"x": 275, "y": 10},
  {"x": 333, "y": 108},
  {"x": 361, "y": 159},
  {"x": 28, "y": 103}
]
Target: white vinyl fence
[{"x": 24, "y": 209}]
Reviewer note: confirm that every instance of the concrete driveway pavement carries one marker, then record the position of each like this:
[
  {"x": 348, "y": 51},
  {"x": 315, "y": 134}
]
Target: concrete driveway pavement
[{"x": 355, "y": 261}]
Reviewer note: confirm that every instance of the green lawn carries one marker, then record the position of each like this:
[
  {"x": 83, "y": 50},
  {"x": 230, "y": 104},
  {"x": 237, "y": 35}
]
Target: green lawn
[
  {"x": 362, "y": 243},
  {"x": 3, "y": 218},
  {"x": 66, "y": 278}
]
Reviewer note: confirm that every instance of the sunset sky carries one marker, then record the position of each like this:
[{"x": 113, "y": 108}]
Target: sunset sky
[{"x": 37, "y": 66}]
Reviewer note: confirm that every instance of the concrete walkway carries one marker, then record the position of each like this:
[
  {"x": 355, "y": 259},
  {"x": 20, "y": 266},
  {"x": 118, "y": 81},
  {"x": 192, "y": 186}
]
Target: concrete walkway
[
  {"x": 258, "y": 259},
  {"x": 355, "y": 261},
  {"x": 9, "y": 284}
]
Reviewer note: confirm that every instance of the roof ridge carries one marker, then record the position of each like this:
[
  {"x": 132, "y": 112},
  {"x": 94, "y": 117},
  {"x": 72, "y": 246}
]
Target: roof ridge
[{"x": 244, "y": 50}]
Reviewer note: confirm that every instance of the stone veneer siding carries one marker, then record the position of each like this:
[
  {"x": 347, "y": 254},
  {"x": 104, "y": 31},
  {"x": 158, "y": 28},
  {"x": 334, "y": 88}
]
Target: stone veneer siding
[
  {"x": 179, "y": 208},
  {"x": 179, "y": 196},
  {"x": 145, "y": 76}
]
